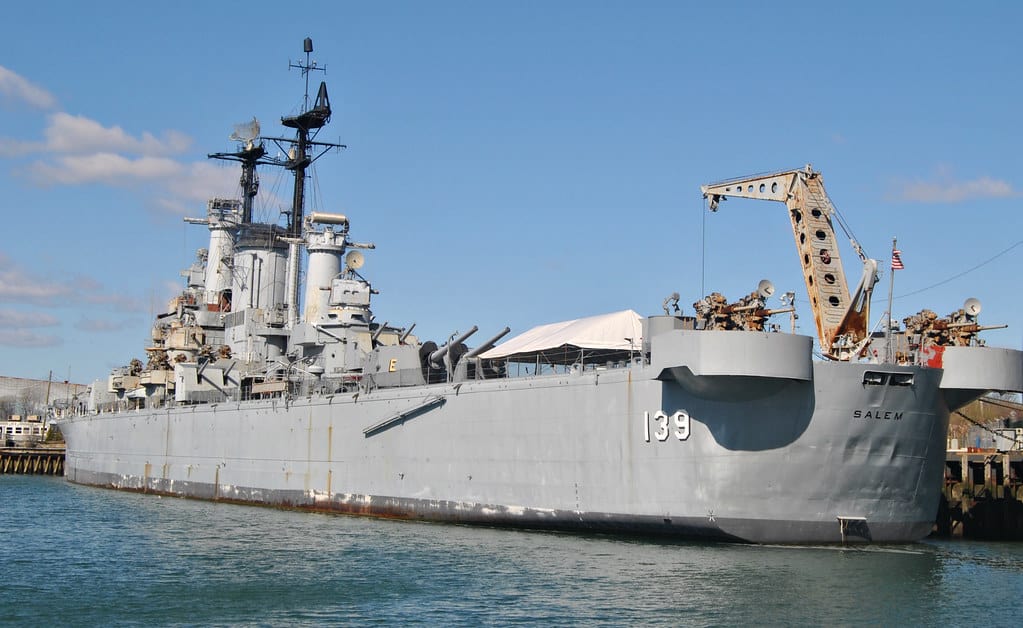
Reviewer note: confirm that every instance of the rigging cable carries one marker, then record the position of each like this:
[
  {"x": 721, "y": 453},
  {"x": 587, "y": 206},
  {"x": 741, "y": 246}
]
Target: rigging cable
[
  {"x": 1015, "y": 441},
  {"x": 703, "y": 248},
  {"x": 847, "y": 230},
  {"x": 965, "y": 272}
]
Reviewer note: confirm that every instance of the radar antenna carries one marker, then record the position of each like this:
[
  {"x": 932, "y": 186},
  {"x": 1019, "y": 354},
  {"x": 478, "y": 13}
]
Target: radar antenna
[
  {"x": 249, "y": 155},
  {"x": 245, "y": 132},
  {"x": 307, "y": 67}
]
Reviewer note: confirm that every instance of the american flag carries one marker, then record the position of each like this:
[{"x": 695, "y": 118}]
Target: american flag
[{"x": 897, "y": 260}]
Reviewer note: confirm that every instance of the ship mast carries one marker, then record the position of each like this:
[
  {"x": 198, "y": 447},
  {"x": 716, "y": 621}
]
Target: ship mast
[
  {"x": 306, "y": 124},
  {"x": 249, "y": 156}
]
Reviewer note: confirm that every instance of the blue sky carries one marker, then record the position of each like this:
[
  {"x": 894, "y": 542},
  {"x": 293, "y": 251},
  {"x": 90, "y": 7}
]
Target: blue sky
[{"x": 515, "y": 163}]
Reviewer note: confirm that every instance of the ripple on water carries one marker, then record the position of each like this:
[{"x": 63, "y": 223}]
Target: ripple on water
[{"x": 99, "y": 557}]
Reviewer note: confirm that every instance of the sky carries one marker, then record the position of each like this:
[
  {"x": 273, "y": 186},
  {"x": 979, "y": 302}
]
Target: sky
[{"x": 515, "y": 163}]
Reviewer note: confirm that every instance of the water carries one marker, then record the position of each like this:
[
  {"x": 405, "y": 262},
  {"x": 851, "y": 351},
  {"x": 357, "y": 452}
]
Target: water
[{"x": 84, "y": 556}]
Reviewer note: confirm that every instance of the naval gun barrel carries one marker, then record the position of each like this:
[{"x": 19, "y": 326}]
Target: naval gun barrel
[
  {"x": 439, "y": 354},
  {"x": 969, "y": 326},
  {"x": 486, "y": 346},
  {"x": 379, "y": 331},
  {"x": 405, "y": 334}
]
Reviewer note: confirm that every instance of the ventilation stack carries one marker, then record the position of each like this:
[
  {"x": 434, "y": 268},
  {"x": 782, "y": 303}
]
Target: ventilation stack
[{"x": 325, "y": 248}]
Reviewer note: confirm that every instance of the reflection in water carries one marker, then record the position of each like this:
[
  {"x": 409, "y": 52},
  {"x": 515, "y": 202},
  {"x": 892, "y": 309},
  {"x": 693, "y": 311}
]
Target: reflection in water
[{"x": 124, "y": 558}]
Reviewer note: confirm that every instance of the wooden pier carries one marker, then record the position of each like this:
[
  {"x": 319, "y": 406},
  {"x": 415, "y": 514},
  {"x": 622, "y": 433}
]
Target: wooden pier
[
  {"x": 37, "y": 460},
  {"x": 983, "y": 496}
]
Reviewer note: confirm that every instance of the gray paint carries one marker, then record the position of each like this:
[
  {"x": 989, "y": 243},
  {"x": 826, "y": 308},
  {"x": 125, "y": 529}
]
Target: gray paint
[
  {"x": 560, "y": 451},
  {"x": 737, "y": 435}
]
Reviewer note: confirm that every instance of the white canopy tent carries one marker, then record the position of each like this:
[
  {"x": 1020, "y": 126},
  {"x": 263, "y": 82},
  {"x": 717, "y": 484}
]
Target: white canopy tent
[{"x": 604, "y": 335}]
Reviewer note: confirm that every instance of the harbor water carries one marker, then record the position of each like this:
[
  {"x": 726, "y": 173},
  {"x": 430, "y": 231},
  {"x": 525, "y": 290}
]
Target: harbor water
[{"x": 74, "y": 555}]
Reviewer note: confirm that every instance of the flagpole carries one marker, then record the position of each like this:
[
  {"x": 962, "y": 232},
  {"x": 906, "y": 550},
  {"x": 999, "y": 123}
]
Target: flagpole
[{"x": 891, "y": 290}]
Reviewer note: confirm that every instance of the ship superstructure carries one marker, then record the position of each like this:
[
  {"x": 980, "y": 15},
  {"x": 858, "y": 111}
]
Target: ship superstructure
[{"x": 715, "y": 425}]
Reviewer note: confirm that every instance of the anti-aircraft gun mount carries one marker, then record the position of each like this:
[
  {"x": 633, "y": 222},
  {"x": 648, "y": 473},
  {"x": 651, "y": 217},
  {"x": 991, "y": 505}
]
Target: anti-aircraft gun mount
[
  {"x": 750, "y": 313},
  {"x": 925, "y": 332},
  {"x": 841, "y": 318}
]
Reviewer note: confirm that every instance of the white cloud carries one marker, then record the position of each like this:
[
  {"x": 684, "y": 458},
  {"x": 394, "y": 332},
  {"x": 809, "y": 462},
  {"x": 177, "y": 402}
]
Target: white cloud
[
  {"x": 116, "y": 302},
  {"x": 19, "y": 286},
  {"x": 66, "y": 134},
  {"x": 180, "y": 187},
  {"x": 91, "y": 291},
  {"x": 77, "y": 150},
  {"x": 108, "y": 168},
  {"x": 100, "y": 325},
  {"x": 78, "y": 135},
  {"x": 26, "y": 338},
  {"x": 947, "y": 190},
  {"x": 14, "y": 87},
  {"x": 188, "y": 190},
  {"x": 21, "y": 319},
  {"x": 15, "y": 148}
]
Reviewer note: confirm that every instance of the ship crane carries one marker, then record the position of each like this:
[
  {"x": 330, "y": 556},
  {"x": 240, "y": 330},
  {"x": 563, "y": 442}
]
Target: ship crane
[{"x": 842, "y": 318}]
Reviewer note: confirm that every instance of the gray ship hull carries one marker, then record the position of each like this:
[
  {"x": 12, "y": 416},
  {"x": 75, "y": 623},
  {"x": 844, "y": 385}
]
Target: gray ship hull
[{"x": 813, "y": 455}]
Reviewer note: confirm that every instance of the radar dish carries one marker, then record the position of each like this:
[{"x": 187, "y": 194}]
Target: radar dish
[
  {"x": 765, "y": 288},
  {"x": 354, "y": 260},
  {"x": 972, "y": 306},
  {"x": 245, "y": 131}
]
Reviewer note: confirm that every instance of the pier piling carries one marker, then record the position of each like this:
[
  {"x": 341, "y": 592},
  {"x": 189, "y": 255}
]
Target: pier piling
[
  {"x": 32, "y": 460},
  {"x": 982, "y": 496}
]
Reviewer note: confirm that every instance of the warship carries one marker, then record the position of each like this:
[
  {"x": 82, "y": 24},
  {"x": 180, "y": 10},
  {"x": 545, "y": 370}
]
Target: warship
[{"x": 272, "y": 386}]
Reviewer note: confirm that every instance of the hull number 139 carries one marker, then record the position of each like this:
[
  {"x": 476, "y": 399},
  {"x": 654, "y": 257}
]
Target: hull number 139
[{"x": 664, "y": 426}]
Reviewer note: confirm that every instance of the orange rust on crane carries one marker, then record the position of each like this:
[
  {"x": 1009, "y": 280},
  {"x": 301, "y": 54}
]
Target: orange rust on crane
[{"x": 842, "y": 319}]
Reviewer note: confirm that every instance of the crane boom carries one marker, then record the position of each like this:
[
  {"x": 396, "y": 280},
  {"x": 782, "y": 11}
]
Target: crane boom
[{"x": 842, "y": 319}]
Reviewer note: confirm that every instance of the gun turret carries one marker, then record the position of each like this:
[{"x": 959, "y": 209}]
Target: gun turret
[
  {"x": 469, "y": 365},
  {"x": 379, "y": 331},
  {"x": 437, "y": 357},
  {"x": 486, "y": 346},
  {"x": 405, "y": 334}
]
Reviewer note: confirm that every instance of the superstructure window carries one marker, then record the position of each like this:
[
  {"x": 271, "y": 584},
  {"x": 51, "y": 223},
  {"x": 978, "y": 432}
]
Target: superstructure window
[
  {"x": 901, "y": 379},
  {"x": 873, "y": 378},
  {"x": 876, "y": 378}
]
